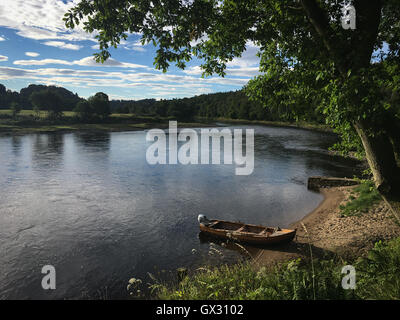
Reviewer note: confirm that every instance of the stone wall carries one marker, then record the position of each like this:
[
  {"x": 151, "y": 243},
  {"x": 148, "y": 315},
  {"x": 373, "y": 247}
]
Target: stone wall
[{"x": 314, "y": 183}]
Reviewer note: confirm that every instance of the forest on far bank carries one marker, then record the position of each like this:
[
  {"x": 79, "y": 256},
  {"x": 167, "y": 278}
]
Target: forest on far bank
[{"x": 229, "y": 105}]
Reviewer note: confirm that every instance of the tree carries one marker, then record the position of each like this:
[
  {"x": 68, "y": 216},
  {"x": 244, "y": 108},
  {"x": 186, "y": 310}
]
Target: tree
[
  {"x": 181, "y": 110},
  {"x": 309, "y": 61},
  {"x": 48, "y": 101},
  {"x": 84, "y": 110},
  {"x": 7, "y": 97},
  {"x": 15, "y": 109},
  {"x": 68, "y": 99},
  {"x": 100, "y": 105}
]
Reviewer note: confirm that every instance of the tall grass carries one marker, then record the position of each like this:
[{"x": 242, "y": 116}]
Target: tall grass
[
  {"x": 377, "y": 277},
  {"x": 292, "y": 280}
]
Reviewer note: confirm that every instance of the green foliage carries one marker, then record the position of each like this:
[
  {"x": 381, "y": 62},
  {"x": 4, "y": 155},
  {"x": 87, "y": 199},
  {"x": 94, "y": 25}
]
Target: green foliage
[
  {"x": 378, "y": 274},
  {"x": 7, "y": 97},
  {"x": 99, "y": 105},
  {"x": 48, "y": 101},
  {"x": 364, "y": 197},
  {"x": 377, "y": 277},
  {"x": 181, "y": 110},
  {"x": 68, "y": 99},
  {"x": 228, "y": 105},
  {"x": 15, "y": 109},
  {"x": 289, "y": 281},
  {"x": 84, "y": 110}
]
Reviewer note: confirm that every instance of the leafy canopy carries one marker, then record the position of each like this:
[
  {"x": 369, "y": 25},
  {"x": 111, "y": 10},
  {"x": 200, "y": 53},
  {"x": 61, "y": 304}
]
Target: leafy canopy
[{"x": 307, "y": 57}]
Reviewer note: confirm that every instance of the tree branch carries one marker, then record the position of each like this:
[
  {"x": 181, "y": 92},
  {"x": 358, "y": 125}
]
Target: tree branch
[
  {"x": 368, "y": 15},
  {"x": 321, "y": 25}
]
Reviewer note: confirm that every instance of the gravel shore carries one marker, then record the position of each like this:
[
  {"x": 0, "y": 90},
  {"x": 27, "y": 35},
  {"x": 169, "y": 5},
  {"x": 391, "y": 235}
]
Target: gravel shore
[{"x": 326, "y": 232}]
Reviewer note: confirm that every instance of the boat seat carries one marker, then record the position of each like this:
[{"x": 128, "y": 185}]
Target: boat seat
[
  {"x": 240, "y": 229},
  {"x": 212, "y": 224}
]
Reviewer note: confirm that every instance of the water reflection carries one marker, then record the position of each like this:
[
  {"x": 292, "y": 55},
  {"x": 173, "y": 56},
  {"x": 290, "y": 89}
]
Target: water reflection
[
  {"x": 47, "y": 150},
  {"x": 16, "y": 142},
  {"x": 93, "y": 141}
]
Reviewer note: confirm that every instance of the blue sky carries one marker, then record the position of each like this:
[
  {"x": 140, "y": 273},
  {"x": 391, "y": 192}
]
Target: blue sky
[{"x": 35, "y": 47}]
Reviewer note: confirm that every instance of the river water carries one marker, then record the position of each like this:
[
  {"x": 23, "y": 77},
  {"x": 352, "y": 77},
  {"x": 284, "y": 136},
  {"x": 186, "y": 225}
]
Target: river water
[{"x": 90, "y": 205}]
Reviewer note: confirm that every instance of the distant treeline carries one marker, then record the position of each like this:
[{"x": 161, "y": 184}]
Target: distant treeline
[
  {"x": 23, "y": 98},
  {"x": 230, "y": 105}
]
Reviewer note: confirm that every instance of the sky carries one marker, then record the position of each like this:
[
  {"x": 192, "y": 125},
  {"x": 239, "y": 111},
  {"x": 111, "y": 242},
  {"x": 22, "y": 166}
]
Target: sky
[{"x": 37, "y": 48}]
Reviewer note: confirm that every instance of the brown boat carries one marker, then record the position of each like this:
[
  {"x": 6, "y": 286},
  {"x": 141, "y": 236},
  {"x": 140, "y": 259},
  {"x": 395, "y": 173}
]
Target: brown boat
[{"x": 246, "y": 233}]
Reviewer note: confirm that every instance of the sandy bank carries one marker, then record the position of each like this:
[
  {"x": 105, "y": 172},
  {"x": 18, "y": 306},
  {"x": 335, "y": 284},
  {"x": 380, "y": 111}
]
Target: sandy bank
[{"x": 327, "y": 232}]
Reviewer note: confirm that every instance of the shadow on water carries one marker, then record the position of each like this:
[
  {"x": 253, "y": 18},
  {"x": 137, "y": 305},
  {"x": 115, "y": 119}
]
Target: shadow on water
[
  {"x": 245, "y": 250},
  {"x": 253, "y": 251}
]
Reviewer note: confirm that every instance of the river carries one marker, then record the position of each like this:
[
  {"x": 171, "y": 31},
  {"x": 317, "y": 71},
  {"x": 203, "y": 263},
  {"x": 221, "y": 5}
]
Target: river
[{"x": 90, "y": 205}]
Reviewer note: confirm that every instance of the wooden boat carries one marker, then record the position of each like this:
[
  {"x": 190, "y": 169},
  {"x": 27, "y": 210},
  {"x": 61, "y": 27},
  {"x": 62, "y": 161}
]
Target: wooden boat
[{"x": 246, "y": 233}]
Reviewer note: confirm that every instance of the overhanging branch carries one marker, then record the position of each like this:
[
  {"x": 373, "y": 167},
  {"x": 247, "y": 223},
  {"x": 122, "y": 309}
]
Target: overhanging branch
[{"x": 320, "y": 22}]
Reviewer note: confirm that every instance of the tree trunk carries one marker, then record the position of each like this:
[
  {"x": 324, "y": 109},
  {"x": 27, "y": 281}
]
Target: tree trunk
[{"x": 381, "y": 159}]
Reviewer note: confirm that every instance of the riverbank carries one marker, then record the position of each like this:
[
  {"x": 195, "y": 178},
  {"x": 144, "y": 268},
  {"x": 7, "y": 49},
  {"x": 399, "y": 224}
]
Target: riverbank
[
  {"x": 298, "y": 125},
  {"x": 30, "y": 122},
  {"x": 102, "y": 127},
  {"x": 329, "y": 233},
  {"x": 310, "y": 267}
]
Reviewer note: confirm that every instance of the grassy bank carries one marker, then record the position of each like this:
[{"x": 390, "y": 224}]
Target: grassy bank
[
  {"x": 28, "y": 121},
  {"x": 361, "y": 199},
  {"x": 377, "y": 277}
]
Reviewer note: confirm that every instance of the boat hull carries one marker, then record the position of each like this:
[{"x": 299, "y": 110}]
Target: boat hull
[{"x": 247, "y": 233}]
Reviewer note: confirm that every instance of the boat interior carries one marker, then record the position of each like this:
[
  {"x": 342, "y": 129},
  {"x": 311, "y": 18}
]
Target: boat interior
[{"x": 240, "y": 227}]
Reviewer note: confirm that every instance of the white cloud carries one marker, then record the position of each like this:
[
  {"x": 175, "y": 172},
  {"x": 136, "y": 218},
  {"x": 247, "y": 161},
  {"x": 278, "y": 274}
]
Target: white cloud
[
  {"x": 240, "y": 71},
  {"x": 62, "y": 45},
  {"x": 3, "y": 58},
  {"x": 140, "y": 49},
  {"x": 40, "y": 19},
  {"x": 245, "y": 66},
  {"x": 249, "y": 57},
  {"x": 32, "y": 54},
  {"x": 2, "y": 39},
  {"x": 88, "y": 61},
  {"x": 40, "y": 62},
  {"x": 135, "y": 46},
  {"x": 155, "y": 84}
]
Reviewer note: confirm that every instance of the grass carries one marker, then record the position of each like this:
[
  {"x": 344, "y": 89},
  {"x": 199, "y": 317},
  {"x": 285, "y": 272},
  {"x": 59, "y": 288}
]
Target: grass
[
  {"x": 292, "y": 280},
  {"x": 27, "y": 113},
  {"x": 361, "y": 199},
  {"x": 377, "y": 277},
  {"x": 299, "y": 124}
]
